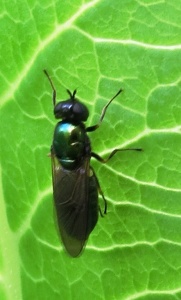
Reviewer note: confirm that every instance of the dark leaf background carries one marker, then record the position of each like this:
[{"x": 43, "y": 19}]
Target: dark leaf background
[{"x": 97, "y": 47}]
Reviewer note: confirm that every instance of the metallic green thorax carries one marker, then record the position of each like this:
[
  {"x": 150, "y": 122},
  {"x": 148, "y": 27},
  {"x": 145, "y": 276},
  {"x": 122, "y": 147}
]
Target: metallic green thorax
[{"x": 70, "y": 144}]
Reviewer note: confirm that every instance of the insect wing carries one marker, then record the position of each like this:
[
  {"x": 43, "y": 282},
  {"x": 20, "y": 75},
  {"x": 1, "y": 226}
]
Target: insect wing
[{"x": 70, "y": 189}]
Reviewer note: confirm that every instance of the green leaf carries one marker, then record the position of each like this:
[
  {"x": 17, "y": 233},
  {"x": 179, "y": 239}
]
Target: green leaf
[{"x": 97, "y": 47}]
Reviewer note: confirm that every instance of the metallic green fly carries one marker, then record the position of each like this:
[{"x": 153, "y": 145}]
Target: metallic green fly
[{"x": 75, "y": 185}]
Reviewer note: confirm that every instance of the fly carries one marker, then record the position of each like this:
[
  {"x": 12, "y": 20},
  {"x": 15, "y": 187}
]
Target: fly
[{"x": 75, "y": 185}]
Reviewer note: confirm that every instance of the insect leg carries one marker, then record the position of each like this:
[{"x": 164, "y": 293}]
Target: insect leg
[
  {"x": 53, "y": 88},
  {"x": 94, "y": 127},
  {"x": 101, "y": 193},
  {"x": 102, "y": 160}
]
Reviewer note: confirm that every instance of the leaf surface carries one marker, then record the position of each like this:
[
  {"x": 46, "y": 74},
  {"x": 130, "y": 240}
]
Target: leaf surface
[{"x": 96, "y": 47}]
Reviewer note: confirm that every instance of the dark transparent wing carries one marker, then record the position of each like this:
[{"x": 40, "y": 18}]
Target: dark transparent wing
[{"x": 71, "y": 197}]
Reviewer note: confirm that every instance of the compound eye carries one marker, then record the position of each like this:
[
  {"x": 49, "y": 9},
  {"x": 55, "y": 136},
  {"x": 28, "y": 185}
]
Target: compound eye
[
  {"x": 63, "y": 109},
  {"x": 80, "y": 111}
]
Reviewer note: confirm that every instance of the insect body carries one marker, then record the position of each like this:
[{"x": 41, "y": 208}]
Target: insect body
[{"x": 75, "y": 185}]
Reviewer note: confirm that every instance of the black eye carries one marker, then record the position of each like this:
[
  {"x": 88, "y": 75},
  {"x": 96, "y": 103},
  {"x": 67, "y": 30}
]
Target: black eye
[
  {"x": 63, "y": 109},
  {"x": 80, "y": 111}
]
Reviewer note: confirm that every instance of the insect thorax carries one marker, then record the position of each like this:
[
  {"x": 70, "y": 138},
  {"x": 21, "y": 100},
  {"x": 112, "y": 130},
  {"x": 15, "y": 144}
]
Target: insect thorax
[{"x": 70, "y": 144}]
